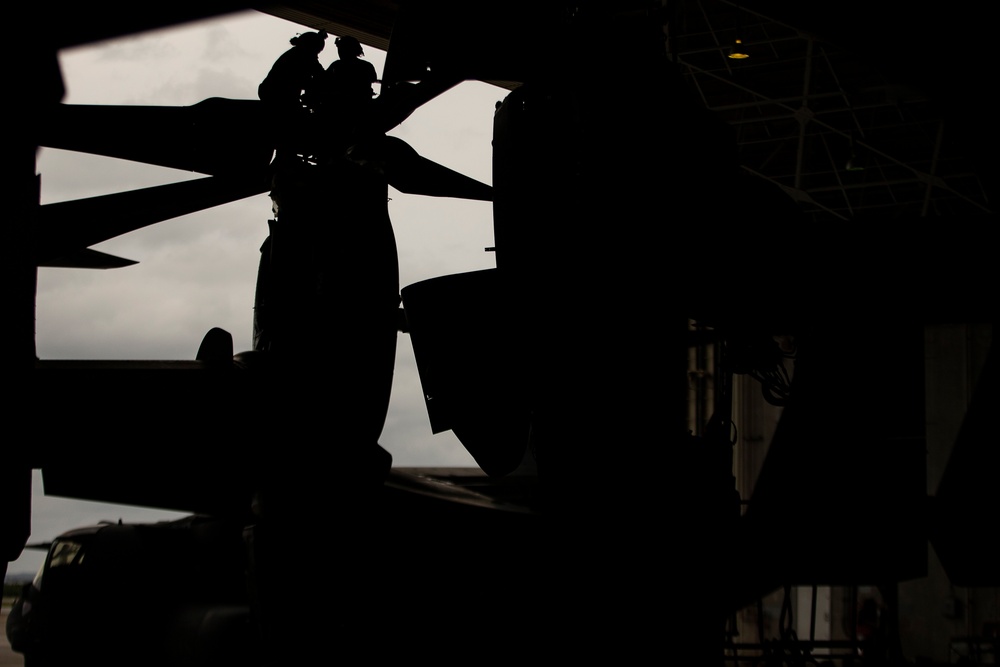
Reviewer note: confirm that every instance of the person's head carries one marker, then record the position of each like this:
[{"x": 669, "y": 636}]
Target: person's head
[
  {"x": 348, "y": 47},
  {"x": 310, "y": 41}
]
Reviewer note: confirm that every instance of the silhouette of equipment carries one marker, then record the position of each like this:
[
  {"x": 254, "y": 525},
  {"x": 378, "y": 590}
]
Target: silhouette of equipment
[
  {"x": 967, "y": 494},
  {"x": 215, "y": 136},
  {"x": 209, "y": 138},
  {"x": 218, "y": 137},
  {"x": 613, "y": 227},
  {"x": 472, "y": 369}
]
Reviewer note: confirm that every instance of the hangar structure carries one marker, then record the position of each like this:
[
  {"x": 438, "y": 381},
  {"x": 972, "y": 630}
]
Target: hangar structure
[
  {"x": 792, "y": 372},
  {"x": 893, "y": 92}
]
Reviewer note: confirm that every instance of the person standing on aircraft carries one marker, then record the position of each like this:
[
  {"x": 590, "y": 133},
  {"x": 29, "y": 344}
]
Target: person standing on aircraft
[
  {"x": 343, "y": 92},
  {"x": 292, "y": 73},
  {"x": 350, "y": 77}
]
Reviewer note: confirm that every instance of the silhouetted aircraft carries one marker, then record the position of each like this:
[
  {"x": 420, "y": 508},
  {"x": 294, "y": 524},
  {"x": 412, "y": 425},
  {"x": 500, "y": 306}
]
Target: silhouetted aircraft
[
  {"x": 150, "y": 582},
  {"x": 651, "y": 197}
]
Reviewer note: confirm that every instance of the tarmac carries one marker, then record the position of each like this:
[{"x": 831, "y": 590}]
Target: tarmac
[{"x": 7, "y": 657}]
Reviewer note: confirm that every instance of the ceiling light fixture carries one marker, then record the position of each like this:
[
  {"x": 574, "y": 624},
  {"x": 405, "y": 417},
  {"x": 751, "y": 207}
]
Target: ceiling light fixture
[{"x": 737, "y": 50}]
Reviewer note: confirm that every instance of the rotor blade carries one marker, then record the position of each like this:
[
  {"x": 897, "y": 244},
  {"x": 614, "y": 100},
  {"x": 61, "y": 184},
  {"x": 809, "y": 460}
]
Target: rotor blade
[
  {"x": 87, "y": 259},
  {"x": 408, "y": 172},
  {"x": 214, "y": 136},
  {"x": 70, "y": 226},
  {"x": 399, "y": 100}
]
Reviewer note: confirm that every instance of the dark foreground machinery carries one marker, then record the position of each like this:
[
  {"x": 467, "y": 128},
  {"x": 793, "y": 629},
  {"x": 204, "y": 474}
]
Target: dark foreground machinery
[{"x": 655, "y": 285}]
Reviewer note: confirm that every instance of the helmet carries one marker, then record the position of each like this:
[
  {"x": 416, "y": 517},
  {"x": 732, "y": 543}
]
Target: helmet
[
  {"x": 349, "y": 45},
  {"x": 309, "y": 39}
]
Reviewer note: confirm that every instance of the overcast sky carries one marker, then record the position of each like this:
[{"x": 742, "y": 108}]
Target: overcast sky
[{"x": 198, "y": 271}]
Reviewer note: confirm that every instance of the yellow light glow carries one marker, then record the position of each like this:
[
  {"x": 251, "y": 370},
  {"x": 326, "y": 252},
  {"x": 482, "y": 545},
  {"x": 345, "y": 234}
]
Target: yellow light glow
[{"x": 737, "y": 52}]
